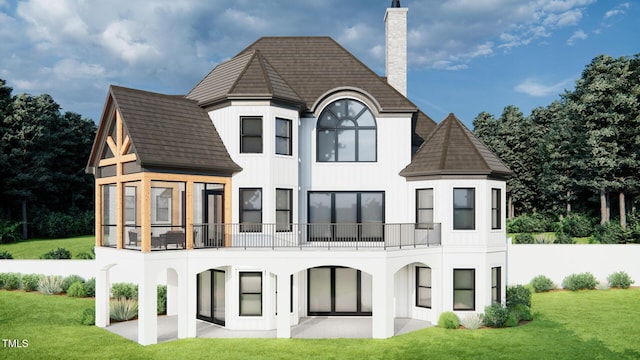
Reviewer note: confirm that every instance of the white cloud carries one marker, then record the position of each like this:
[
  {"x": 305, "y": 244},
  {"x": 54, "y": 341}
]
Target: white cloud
[
  {"x": 535, "y": 88},
  {"x": 618, "y": 10},
  {"x": 124, "y": 39},
  {"x": 577, "y": 35},
  {"x": 566, "y": 18}
]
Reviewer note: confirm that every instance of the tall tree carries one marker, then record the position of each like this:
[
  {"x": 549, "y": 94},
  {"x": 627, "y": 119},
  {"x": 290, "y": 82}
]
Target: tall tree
[
  {"x": 604, "y": 110},
  {"x": 555, "y": 153}
]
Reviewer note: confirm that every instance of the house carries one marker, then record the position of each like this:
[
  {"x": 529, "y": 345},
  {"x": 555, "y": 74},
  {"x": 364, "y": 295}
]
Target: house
[{"x": 293, "y": 181}]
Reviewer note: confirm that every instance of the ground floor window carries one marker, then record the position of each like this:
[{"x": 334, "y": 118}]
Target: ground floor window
[
  {"x": 423, "y": 287},
  {"x": 251, "y": 293},
  {"x": 496, "y": 277},
  {"x": 338, "y": 291},
  {"x": 464, "y": 289},
  {"x": 346, "y": 216}
]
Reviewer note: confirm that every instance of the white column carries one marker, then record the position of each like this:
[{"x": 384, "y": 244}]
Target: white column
[
  {"x": 190, "y": 305},
  {"x": 383, "y": 312},
  {"x": 284, "y": 298},
  {"x": 102, "y": 297},
  {"x": 172, "y": 293},
  {"x": 147, "y": 309}
]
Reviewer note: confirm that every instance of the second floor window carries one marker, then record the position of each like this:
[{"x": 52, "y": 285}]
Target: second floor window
[
  {"x": 424, "y": 208},
  {"x": 251, "y": 210},
  {"x": 251, "y": 135},
  {"x": 464, "y": 209},
  {"x": 496, "y": 201},
  {"x": 346, "y": 132},
  {"x": 283, "y": 137}
]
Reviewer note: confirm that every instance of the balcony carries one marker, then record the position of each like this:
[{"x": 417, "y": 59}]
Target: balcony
[{"x": 292, "y": 236}]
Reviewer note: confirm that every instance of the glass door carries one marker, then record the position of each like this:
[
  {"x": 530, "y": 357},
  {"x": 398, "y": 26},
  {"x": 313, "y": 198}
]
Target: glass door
[
  {"x": 211, "y": 296},
  {"x": 213, "y": 218}
]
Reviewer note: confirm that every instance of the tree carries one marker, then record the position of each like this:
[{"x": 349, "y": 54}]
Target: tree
[
  {"x": 45, "y": 155},
  {"x": 604, "y": 110}
]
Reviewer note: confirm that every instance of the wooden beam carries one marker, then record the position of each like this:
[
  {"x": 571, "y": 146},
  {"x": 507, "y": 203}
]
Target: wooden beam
[
  {"x": 125, "y": 145},
  {"x": 112, "y": 146}
]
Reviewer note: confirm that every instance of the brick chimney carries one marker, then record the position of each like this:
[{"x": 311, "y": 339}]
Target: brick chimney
[{"x": 395, "y": 21}]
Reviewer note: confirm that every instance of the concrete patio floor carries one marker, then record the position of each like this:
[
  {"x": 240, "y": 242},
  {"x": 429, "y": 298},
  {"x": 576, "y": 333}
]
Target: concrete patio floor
[{"x": 308, "y": 328}]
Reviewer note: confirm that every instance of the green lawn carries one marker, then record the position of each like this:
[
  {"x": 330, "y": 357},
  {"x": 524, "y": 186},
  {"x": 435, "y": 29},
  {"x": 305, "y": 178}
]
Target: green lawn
[
  {"x": 601, "y": 324},
  {"x": 34, "y": 248}
]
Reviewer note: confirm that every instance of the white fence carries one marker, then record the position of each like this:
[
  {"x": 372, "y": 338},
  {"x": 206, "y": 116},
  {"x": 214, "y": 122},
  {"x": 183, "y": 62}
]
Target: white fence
[{"x": 555, "y": 261}]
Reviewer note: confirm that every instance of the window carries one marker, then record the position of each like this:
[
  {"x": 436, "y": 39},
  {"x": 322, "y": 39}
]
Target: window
[
  {"x": 423, "y": 287},
  {"x": 496, "y": 282},
  {"x": 130, "y": 205},
  {"x": 464, "y": 213},
  {"x": 250, "y": 294},
  {"x": 495, "y": 208},
  {"x": 346, "y": 131},
  {"x": 251, "y": 135},
  {"x": 464, "y": 289},
  {"x": 424, "y": 208},
  {"x": 283, "y": 137},
  {"x": 346, "y": 216},
  {"x": 161, "y": 205},
  {"x": 283, "y": 209},
  {"x": 251, "y": 210}
]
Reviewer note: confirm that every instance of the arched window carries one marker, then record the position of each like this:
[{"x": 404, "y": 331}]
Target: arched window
[{"x": 346, "y": 132}]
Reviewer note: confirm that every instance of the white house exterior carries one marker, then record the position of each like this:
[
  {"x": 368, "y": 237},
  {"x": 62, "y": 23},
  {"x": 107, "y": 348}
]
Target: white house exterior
[{"x": 293, "y": 181}]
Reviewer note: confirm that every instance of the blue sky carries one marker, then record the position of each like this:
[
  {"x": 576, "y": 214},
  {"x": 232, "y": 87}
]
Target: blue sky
[{"x": 465, "y": 56}]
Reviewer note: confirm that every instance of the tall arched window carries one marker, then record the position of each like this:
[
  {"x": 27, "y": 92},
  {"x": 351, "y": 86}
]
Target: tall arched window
[{"x": 346, "y": 132}]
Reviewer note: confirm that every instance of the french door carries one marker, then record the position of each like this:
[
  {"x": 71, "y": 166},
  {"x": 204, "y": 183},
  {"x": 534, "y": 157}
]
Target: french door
[{"x": 213, "y": 218}]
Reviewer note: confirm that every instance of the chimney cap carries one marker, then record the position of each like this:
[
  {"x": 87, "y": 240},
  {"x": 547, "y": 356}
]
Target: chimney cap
[{"x": 395, "y": 4}]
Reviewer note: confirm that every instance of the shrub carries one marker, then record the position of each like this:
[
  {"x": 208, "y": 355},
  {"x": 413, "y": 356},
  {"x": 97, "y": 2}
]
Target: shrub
[
  {"x": 612, "y": 233},
  {"x": 59, "y": 253},
  {"x": 471, "y": 321},
  {"x": 84, "y": 256},
  {"x": 76, "y": 290},
  {"x": 10, "y": 281},
  {"x": 495, "y": 315},
  {"x": 535, "y": 223},
  {"x": 512, "y": 320},
  {"x": 123, "y": 309},
  {"x": 69, "y": 280},
  {"x": 124, "y": 290},
  {"x": 542, "y": 283},
  {"x": 88, "y": 316},
  {"x": 518, "y": 294},
  {"x": 620, "y": 279},
  {"x": 30, "y": 282},
  {"x": 522, "y": 312},
  {"x": 4, "y": 254},
  {"x": 580, "y": 281},
  {"x": 9, "y": 232},
  {"x": 563, "y": 238},
  {"x": 577, "y": 225},
  {"x": 448, "y": 320},
  {"x": 525, "y": 238},
  {"x": 162, "y": 299},
  {"x": 90, "y": 287},
  {"x": 50, "y": 284}
]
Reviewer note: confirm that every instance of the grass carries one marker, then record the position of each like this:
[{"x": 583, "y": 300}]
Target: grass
[
  {"x": 569, "y": 325},
  {"x": 34, "y": 248}
]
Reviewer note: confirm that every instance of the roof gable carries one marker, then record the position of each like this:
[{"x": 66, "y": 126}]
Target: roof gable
[
  {"x": 167, "y": 131},
  {"x": 452, "y": 149}
]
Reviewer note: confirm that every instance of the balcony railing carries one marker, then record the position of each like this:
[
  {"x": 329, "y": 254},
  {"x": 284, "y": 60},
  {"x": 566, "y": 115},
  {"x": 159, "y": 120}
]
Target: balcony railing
[
  {"x": 327, "y": 236},
  {"x": 278, "y": 236}
]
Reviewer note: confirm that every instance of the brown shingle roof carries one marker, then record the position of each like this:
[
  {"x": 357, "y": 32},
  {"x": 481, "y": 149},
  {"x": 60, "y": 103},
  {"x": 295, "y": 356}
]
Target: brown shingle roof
[
  {"x": 451, "y": 149},
  {"x": 171, "y": 132},
  {"x": 307, "y": 67},
  {"x": 245, "y": 76}
]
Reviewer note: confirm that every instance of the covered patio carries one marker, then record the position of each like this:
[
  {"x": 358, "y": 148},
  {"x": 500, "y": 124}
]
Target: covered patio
[{"x": 319, "y": 327}]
